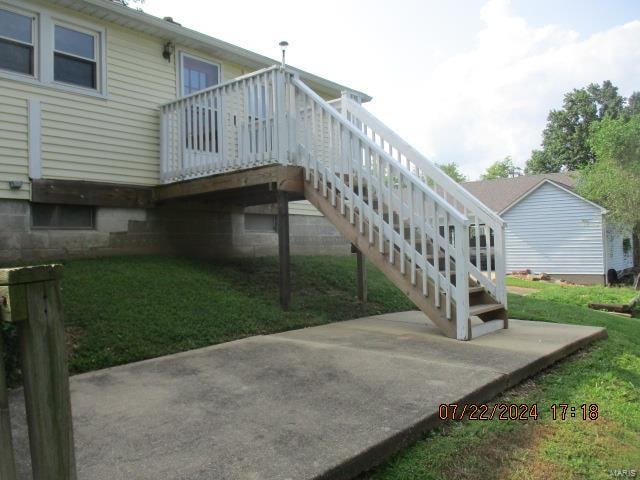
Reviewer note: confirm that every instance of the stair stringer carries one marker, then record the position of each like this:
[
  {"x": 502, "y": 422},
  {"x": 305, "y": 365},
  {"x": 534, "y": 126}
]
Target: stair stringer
[{"x": 390, "y": 270}]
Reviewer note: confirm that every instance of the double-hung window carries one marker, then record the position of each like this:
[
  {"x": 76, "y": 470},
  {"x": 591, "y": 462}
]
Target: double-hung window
[
  {"x": 74, "y": 57},
  {"x": 41, "y": 46},
  {"x": 17, "y": 42}
]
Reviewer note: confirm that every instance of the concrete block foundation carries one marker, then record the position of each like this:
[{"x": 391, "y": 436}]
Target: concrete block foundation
[{"x": 172, "y": 230}]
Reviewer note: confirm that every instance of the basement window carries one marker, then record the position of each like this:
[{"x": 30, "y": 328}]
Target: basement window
[
  {"x": 69, "y": 217},
  {"x": 259, "y": 223}
]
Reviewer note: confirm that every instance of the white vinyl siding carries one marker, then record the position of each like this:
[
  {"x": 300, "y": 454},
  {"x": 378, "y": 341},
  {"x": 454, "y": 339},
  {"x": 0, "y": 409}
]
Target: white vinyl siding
[
  {"x": 303, "y": 207},
  {"x": 14, "y": 144},
  {"x": 114, "y": 138},
  {"x": 617, "y": 258},
  {"x": 555, "y": 232}
]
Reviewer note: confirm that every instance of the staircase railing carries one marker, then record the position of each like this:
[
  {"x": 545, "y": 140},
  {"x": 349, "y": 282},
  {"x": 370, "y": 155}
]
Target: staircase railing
[
  {"x": 487, "y": 262},
  {"x": 412, "y": 211},
  {"x": 410, "y": 223}
]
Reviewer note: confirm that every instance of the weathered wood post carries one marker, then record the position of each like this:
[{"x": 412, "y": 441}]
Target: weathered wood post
[
  {"x": 361, "y": 274},
  {"x": 36, "y": 308},
  {"x": 7, "y": 461},
  {"x": 283, "y": 249}
]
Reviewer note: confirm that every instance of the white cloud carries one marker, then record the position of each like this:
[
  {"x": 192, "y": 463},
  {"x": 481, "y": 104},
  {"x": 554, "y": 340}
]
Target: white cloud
[{"x": 491, "y": 101}]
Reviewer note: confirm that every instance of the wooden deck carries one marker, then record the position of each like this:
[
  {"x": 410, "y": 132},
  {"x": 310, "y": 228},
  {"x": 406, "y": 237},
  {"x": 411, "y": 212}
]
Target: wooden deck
[{"x": 255, "y": 186}]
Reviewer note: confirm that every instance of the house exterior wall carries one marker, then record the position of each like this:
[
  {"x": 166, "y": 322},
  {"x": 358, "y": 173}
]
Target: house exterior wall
[
  {"x": 617, "y": 257},
  {"x": 555, "y": 232},
  {"x": 109, "y": 138}
]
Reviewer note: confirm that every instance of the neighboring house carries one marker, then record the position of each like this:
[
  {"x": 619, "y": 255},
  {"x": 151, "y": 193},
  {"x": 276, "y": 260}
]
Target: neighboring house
[
  {"x": 81, "y": 82},
  {"x": 551, "y": 229}
]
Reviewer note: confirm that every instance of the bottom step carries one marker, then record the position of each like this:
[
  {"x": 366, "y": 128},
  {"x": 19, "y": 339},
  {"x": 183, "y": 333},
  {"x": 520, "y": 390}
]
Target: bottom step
[{"x": 486, "y": 327}]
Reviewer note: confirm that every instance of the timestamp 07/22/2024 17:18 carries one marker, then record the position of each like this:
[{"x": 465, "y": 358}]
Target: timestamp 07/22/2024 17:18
[{"x": 516, "y": 411}]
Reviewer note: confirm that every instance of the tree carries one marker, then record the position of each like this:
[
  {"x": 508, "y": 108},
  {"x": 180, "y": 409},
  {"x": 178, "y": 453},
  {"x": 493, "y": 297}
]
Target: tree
[
  {"x": 614, "y": 180},
  {"x": 565, "y": 139},
  {"x": 453, "y": 170},
  {"x": 502, "y": 169}
]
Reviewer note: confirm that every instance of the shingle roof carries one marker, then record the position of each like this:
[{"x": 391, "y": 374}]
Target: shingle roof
[{"x": 500, "y": 193}]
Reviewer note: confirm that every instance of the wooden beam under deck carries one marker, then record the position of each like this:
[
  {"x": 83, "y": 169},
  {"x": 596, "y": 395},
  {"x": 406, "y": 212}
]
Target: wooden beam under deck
[
  {"x": 79, "y": 192},
  {"x": 278, "y": 177}
]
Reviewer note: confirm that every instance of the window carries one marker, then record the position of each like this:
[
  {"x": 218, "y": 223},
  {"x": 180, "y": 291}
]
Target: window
[
  {"x": 260, "y": 223},
  {"x": 197, "y": 74},
  {"x": 75, "y": 57},
  {"x": 16, "y": 42},
  {"x": 77, "y": 217}
]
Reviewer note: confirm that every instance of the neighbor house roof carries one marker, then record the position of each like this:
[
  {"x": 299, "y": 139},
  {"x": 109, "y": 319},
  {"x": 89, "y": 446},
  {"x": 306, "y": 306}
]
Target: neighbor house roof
[
  {"x": 501, "y": 193},
  {"x": 143, "y": 22}
]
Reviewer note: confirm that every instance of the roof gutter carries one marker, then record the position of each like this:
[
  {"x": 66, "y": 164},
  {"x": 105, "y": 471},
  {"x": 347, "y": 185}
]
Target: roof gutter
[{"x": 182, "y": 34}]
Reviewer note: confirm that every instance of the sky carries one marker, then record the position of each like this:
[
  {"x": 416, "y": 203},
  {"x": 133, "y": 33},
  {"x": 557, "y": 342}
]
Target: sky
[{"x": 467, "y": 81}]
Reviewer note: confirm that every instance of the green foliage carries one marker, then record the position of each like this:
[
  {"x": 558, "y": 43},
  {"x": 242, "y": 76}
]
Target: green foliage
[
  {"x": 608, "y": 374},
  {"x": 565, "y": 140},
  {"x": 502, "y": 169},
  {"x": 614, "y": 181},
  {"x": 453, "y": 170}
]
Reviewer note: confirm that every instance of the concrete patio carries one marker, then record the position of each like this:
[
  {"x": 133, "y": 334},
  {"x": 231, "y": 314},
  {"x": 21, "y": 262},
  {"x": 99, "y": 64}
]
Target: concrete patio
[{"x": 323, "y": 402}]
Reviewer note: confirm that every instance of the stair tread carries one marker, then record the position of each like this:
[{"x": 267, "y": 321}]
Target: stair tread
[
  {"x": 484, "y": 308},
  {"x": 476, "y": 289}
]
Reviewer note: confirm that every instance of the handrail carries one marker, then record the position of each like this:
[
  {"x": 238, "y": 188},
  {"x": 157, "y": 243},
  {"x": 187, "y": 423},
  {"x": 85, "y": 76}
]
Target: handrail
[
  {"x": 486, "y": 223},
  {"x": 221, "y": 85},
  {"x": 420, "y": 160},
  {"x": 354, "y": 131}
]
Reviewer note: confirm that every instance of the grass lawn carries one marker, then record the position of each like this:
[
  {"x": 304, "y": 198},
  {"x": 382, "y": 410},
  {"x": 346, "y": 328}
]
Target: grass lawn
[
  {"x": 120, "y": 310},
  {"x": 607, "y": 374}
]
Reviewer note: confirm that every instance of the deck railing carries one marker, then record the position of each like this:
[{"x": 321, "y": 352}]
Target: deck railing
[
  {"x": 232, "y": 126},
  {"x": 387, "y": 188},
  {"x": 487, "y": 262}
]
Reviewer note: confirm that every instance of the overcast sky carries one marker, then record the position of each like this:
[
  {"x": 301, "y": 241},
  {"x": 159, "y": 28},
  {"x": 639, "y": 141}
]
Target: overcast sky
[{"x": 469, "y": 82}]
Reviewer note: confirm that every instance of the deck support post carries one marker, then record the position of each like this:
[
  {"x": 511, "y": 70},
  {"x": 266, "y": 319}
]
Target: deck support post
[
  {"x": 361, "y": 274},
  {"x": 283, "y": 249},
  {"x": 35, "y": 306}
]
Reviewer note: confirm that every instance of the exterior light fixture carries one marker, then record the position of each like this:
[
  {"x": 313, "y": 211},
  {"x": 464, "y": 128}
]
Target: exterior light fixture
[
  {"x": 283, "y": 46},
  {"x": 167, "y": 51}
]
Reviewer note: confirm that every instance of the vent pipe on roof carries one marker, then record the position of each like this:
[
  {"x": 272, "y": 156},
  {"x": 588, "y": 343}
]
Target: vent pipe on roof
[{"x": 171, "y": 20}]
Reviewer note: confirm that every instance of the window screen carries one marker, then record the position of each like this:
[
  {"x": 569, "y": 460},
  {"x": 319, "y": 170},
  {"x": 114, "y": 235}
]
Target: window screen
[
  {"x": 16, "y": 42},
  {"x": 74, "y": 59}
]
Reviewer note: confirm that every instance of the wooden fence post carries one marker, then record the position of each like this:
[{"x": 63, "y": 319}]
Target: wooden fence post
[
  {"x": 361, "y": 274},
  {"x": 7, "y": 461},
  {"x": 36, "y": 308}
]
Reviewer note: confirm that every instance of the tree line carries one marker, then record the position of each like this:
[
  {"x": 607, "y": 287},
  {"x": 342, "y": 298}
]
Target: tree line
[{"x": 595, "y": 135}]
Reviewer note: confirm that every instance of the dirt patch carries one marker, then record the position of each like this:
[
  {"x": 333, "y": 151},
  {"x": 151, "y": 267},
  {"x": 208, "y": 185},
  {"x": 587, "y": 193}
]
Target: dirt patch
[{"x": 524, "y": 291}]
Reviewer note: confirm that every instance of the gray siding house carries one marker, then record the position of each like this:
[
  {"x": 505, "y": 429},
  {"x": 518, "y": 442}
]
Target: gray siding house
[{"x": 551, "y": 229}]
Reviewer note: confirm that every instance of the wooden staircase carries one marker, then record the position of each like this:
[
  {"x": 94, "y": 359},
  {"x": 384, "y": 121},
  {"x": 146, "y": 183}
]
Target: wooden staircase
[
  {"x": 399, "y": 209},
  {"x": 485, "y": 313}
]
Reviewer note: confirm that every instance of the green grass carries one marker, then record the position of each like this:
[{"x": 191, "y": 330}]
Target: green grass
[
  {"x": 608, "y": 374},
  {"x": 120, "y": 310}
]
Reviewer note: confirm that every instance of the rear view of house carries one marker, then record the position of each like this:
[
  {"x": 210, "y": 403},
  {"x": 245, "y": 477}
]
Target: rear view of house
[
  {"x": 551, "y": 229},
  {"x": 125, "y": 133}
]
